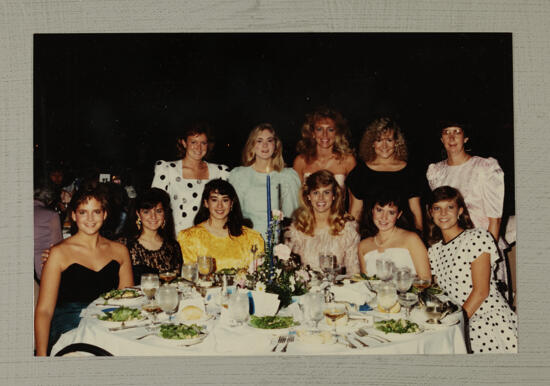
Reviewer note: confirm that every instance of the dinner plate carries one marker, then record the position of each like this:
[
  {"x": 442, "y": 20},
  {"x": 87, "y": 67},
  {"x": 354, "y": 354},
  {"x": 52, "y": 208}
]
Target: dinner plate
[
  {"x": 180, "y": 342},
  {"x": 128, "y": 323}
]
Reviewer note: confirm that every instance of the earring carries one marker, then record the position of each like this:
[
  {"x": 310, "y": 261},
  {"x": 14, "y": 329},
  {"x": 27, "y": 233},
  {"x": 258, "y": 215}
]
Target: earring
[{"x": 138, "y": 223}]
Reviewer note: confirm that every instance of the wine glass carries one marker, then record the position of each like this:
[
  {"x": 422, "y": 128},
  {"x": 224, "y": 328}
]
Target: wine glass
[
  {"x": 168, "y": 299},
  {"x": 407, "y": 300},
  {"x": 326, "y": 263},
  {"x": 190, "y": 272},
  {"x": 384, "y": 269},
  {"x": 149, "y": 285},
  {"x": 335, "y": 311},
  {"x": 313, "y": 310},
  {"x": 205, "y": 265},
  {"x": 403, "y": 279},
  {"x": 238, "y": 307},
  {"x": 167, "y": 276},
  {"x": 387, "y": 295},
  {"x": 421, "y": 284}
]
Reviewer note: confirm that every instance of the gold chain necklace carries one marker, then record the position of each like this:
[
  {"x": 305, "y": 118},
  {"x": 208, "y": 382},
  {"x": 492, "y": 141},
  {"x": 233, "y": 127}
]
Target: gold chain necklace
[{"x": 384, "y": 242}]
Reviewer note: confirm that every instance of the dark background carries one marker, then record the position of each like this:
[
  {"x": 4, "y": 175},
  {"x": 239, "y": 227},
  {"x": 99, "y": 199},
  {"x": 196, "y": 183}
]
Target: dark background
[{"x": 115, "y": 103}]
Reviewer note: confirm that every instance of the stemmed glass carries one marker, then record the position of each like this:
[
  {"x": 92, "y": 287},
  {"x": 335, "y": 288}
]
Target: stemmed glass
[
  {"x": 421, "y": 284},
  {"x": 190, "y": 272},
  {"x": 205, "y": 265},
  {"x": 168, "y": 299},
  {"x": 403, "y": 279},
  {"x": 238, "y": 307},
  {"x": 384, "y": 269},
  {"x": 335, "y": 311},
  {"x": 149, "y": 285},
  {"x": 167, "y": 276},
  {"x": 407, "y": 300},
  {"x": 313, "y": 308},
  {"x": 326, "y": 263},
  {"x": 387, "y": 295}
]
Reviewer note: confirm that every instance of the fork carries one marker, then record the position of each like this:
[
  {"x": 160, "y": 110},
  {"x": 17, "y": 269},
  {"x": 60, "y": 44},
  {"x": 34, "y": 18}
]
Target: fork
[
  {"x": 363, "y": 333},
  {"x": 281, "y": 340},
  {"x": 290, "y": 339}
]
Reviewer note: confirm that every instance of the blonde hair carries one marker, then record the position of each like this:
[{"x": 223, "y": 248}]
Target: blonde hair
[
  {"x": 249, "y": 156},
  {"x": 304, "y": 218},
  {"x": 307, "y": 145},
  {"x": 373, "y": 133}
]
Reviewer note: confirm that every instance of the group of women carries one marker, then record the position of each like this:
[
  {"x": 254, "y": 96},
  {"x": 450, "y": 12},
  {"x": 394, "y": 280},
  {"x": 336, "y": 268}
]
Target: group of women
[{"x": 212, "y": 211}]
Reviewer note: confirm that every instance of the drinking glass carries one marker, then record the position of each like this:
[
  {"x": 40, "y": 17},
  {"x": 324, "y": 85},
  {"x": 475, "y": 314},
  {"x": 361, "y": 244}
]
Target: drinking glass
[
  {"x": 238, "y": 307},
  {"x": 335, "y": 311},
  {"x": 403, "y": 279},
  {"x": 407, "y": 300},
  {"x": 190, "y": 272},
  {"x": 167, "y": 276},
  {"x": 387, "y": 295},
  {"x": 384, "y": 269},
  {"x": 326, "y": 263},
  {"x": 313, "y": 308},
  {"x": 205, "y": 265},
  {"x": 168, "y": 299},
  {"x": 421, "y": 284},
  {"x": 149, "y": 285}
]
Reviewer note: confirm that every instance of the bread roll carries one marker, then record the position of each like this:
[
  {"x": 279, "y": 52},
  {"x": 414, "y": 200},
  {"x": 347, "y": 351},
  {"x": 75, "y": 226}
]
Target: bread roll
[{"x": 191, "y": 313}]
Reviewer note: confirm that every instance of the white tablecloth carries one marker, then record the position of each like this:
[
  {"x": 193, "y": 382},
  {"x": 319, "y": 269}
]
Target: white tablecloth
[{"x": 246, "y": 340}]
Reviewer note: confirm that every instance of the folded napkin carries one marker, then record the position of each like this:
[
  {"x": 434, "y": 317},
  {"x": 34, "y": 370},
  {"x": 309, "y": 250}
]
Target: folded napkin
[
  {"x": 356, "y": 293},
  {"x": 265, "y": 304}
]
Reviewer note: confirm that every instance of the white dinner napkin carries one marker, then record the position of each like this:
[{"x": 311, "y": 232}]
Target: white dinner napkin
[{"x": 356, "y": 293}]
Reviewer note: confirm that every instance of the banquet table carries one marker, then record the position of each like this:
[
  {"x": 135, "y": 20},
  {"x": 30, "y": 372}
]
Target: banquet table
[{"x": 224, "y": 339}]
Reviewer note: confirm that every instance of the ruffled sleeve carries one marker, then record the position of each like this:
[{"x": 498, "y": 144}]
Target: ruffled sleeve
[
  {"x": 493, "y": 188},
  {"x": 480, "y": 241},
  {"x": 432, "y": 175},
  {"x": 218, "y": 171},
  {"x": 290, "y": 191},
  {"x": 161, "y": 178},
  {"x": 190, "y": 244},
  {"x": 351, "y": 243}
]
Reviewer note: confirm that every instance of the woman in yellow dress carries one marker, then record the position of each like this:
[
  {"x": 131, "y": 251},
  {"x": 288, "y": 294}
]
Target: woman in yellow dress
[{"x": 219, "y": 231}]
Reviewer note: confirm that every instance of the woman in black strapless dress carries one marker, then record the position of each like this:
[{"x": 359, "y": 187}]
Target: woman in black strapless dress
[{"x": 78, "y": 270}]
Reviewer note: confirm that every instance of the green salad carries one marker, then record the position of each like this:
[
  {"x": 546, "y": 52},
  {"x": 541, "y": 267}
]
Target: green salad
[
  {"x": 180, "y": 331},
  {"x": 399, "y": 326},
  {"x": 272, "y": 322},
  {"x": 434, "y": 289},
  {"x": 122, "y": 314},
  {"x": 120, "y": 294}
]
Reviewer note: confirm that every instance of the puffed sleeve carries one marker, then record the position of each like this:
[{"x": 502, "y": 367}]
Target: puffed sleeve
[
  {"x": 161, "y": 178},
  {"x": 431, "y": 176},
  {"x": 188, "y": 244},
  {"x": 493, "y": 188},
  {"x": 351, "y": 242},
  {"x": 219, "y": 171},
  {"x": 290, "y": 191},
  {"x": 481, "y": 241},
  {"x": 238, "y": 179}
]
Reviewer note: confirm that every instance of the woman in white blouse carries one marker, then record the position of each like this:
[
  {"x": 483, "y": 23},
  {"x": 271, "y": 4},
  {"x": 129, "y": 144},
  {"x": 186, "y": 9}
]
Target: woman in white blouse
[
  {"x": 321, "y": 225},
  {"x": 480, "y": 180}
]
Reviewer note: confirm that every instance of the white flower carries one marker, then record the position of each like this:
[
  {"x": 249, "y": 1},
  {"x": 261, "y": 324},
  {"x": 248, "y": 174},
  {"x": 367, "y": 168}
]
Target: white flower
[
  {"x": 278, "y": 271},
  {"x": 292, "y": 280},
  {"x": 302, "y": 275},
  {"x": 292, "y": 287},
  {"x": 260, "y": 286},
  {"x": 282, "y": 251},
  {"x": 277, "y": 214}
]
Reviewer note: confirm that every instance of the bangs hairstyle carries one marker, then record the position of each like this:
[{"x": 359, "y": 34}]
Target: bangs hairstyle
[
  {"x": 445, "y": 193},
  {"x": 374, "y": 132},
  {"x": 148, "y": 199},
  {"x": 307, "y": 145},
  {"x": 82, "y": 196},
  {"x": 443, "y": 124},
  {"x": 383, "y": 198},
  {"x": 235, "y": 221},
  {"x": 249, "y": 156},
  {"x": 195, "y": 129},
  {"x": 304, "y": 217}
]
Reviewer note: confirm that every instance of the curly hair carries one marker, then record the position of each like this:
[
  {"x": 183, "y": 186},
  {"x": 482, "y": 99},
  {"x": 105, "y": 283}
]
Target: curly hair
[
  {"x": 304, "y": 217},
  {"x": 374, "y": 131},
  {"x": 195, "y": 129},
  {"x": 235, "y": 221},
  {"x": 383, "y": 198},
  {"x": 445, "y": 193},
  {"x": 249, "y": 156},
  {"x": 307, "y": 145},
  {"x": 149, "y": 199}
]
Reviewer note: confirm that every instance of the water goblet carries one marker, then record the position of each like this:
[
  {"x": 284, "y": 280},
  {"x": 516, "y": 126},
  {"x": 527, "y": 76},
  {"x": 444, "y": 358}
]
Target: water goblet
[
  {"x": 387, "y": 295},
  {"x": 168, "y": 299},
  {"x": 190, "y": 272},
  {"x": 326, "y": 263},
  {"x": 384, "y": 269},
  {"x": 149, "y": 285},
  {"x": 403, "y": 279},
  {"x": 238, "y": 308},
  {"x": 313, "y": 310},
  {"x": 407, "y": 300}
]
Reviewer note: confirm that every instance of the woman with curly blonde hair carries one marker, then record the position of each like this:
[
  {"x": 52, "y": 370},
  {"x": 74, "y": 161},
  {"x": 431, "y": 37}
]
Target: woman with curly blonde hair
[
  {"x": 321, "y": 225},
  {"x": 324, "y": 145},
  {"x": 263, "y": 156},
  {"x": 383, "y": 151}
]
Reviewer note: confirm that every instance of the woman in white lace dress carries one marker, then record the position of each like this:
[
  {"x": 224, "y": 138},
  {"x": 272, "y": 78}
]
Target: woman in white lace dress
[
  {"x": 462, "y": 258},
  {"x": 388, "y": 238},
  {"x": 321, "y": 225}
]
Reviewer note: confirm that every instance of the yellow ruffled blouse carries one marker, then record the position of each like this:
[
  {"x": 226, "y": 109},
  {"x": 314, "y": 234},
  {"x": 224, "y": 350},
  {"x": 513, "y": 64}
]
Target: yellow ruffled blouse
[{"x": 229, "y": 252}]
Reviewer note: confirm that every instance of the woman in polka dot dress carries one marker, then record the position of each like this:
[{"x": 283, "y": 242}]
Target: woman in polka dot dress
[
  {"x": 184, "y": 179},
  {"x": 461, "y": 258}
]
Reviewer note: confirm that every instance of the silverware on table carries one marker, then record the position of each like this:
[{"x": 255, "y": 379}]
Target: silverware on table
[
  {"x": 350, "y": 344},
  {"x": 124, "y": 327},
  {"x": 281, "y": 340},
  {"x": 362, "y": 333},
  {"x": 290, "y": 339}
]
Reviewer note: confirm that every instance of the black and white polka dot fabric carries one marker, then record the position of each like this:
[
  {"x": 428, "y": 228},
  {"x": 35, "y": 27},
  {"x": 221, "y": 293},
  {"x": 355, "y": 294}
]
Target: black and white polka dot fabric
[
  {"x": 185, "y": 194},
  {"x": 493, "y": 327}
]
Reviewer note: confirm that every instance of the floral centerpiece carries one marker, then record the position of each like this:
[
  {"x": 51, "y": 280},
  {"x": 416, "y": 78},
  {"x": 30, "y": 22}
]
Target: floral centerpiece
[{"x": 278, "y": 270}]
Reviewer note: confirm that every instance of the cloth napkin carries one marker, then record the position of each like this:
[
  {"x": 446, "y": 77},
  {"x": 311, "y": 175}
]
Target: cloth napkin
[
  {"x": 265, "y": 304},
  {"x": 356, "y": 293}
]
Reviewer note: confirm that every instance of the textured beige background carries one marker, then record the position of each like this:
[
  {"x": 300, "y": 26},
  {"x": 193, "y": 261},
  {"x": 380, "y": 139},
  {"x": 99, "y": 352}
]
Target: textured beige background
[{"x": 529, "y": 20}]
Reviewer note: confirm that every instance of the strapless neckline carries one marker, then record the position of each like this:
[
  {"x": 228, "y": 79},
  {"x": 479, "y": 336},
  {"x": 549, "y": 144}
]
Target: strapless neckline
[{"x": 93, "y": 270}]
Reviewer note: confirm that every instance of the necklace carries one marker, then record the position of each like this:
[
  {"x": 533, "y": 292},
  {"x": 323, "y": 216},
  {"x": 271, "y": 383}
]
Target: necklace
[{"x": 384, "y": 242}]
